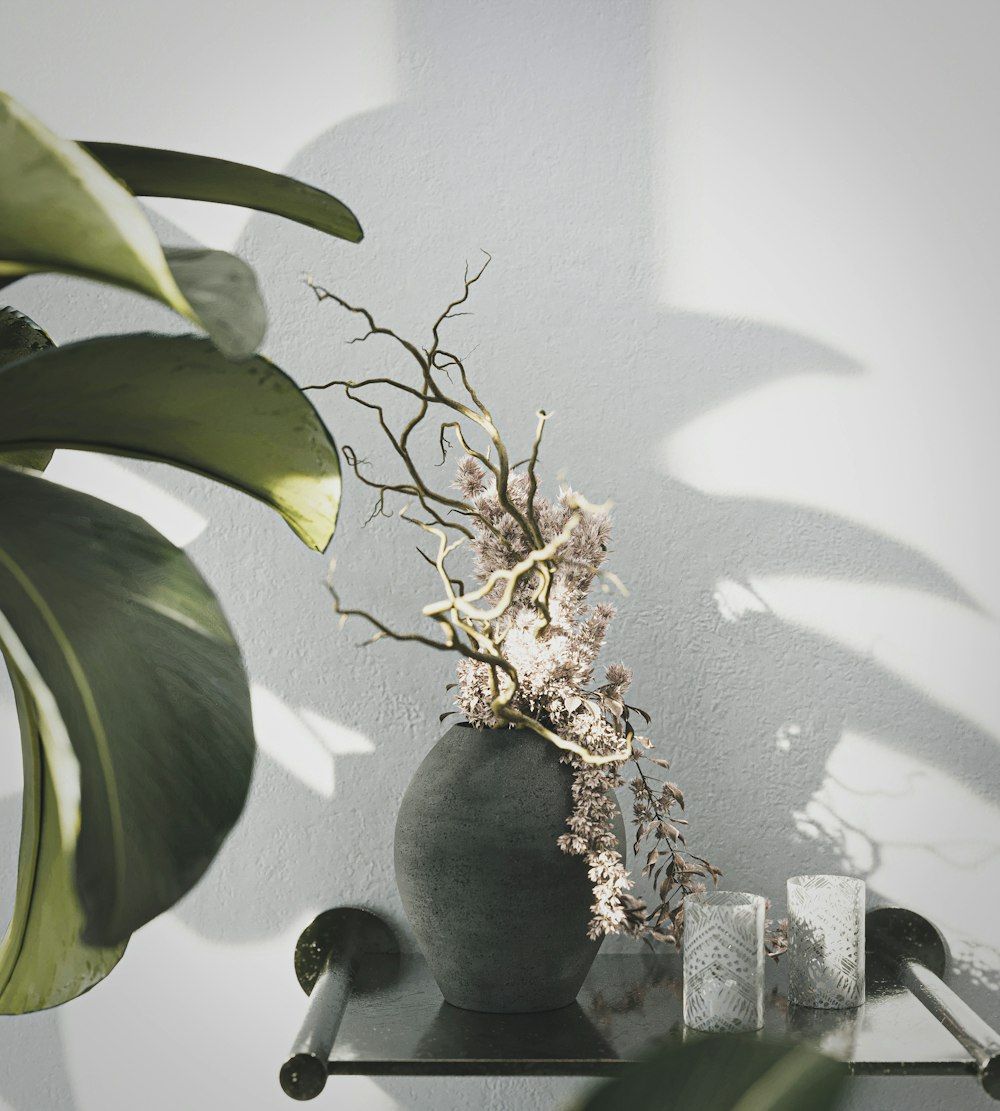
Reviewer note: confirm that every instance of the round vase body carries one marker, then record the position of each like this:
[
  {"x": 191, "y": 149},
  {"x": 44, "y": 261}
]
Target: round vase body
[{"x": 500, "y": 912}]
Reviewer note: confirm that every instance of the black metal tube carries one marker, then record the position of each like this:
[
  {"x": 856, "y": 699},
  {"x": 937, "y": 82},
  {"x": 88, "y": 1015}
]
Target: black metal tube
[
  {"x": 961, "y": 1021},
  {"x": 915, "y": 954},
  {"x": 327, "y": 957},
  {"x": 303, "y": 1075}
]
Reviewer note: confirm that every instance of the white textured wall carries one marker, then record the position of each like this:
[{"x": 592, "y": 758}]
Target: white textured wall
[{"x": 747, "y": 254}]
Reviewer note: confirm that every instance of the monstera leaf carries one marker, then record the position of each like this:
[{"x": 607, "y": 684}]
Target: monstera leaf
[
  {"x": 131, "y": 694},
  {"x": 177, "y": 400},
  {"x": 151, "y": 172},
  {"x": 133, "y": 701},
  {"x": 62, "y": 210},
  {"x": 136, "y": 719},
  {"x": 19, "y": 337},
  {"x": 43, "y": 960}
]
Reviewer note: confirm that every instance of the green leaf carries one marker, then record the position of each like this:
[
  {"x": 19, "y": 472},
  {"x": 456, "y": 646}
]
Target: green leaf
[
  {"x": 177, "y": 400},
  {"x": 726, "y": 1073},
  {"x": 222, "y": 290},
  {"x": 136, "y": 665},
  {"x": 150, "y": 172},
  {"x": 21, "y": 336},
  {"x": 32, "y": 460},
  {"x": 43, "y": 959},
  {"x": 60, "y": 210}
]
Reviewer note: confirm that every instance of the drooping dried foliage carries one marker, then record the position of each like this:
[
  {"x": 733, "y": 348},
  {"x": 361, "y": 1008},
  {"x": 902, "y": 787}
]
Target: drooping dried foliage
[{"x": 525, "y": 628}]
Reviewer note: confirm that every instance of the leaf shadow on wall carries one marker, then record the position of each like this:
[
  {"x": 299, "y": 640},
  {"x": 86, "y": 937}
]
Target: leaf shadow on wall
[
  {"x": 564, "y": 320},
  {"x": 528, "y": 136}
]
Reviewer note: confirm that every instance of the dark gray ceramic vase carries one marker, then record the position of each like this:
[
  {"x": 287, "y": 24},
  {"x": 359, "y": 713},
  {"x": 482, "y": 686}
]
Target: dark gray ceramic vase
[{"x": 499, "y": 911}]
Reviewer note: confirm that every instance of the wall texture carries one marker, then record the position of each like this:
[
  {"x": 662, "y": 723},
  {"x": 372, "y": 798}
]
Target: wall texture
[{"x": 747, "y": 254}]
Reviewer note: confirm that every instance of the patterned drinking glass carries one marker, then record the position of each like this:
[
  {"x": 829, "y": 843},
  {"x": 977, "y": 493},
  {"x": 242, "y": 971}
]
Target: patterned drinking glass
[
  {"x": 826, "y": 941},
  {"x": 724, "y": 961}
]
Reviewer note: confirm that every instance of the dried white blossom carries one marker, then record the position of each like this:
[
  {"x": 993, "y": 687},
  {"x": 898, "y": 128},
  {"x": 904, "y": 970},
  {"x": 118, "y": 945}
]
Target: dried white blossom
[
  {"x": 471, "y": 478},
  {"x": 555, "y": 662}
]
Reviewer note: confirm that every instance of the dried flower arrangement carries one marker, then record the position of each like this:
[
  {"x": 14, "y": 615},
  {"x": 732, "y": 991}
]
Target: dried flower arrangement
[{"x": 526, "y": 632}]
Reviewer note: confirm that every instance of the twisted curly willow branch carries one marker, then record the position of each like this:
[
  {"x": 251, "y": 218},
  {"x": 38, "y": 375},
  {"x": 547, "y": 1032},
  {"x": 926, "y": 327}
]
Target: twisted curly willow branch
[{"x": 466, "y": 618}]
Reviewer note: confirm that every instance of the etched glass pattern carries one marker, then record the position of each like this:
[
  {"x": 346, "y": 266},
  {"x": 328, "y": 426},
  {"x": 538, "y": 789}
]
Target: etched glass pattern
[
  {"x": 826, "y": 941},
  {"x": 724, "y": 961}
]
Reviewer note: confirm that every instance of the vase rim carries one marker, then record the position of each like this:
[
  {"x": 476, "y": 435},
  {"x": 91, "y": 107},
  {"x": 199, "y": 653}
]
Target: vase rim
[
  {"x": 493, "y": 728},
  {"x": 838, "y": 878},
  {"x": 726, "y": 899}
]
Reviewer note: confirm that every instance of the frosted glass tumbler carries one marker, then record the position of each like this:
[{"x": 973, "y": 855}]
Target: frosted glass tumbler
[
  {"x": 826, "y": 941},
  {"x": 724, "y": 961}
]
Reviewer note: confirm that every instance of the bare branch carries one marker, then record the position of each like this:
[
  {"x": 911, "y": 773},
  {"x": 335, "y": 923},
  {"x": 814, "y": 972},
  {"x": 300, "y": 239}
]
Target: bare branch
[
  {"x": 444, "y": 444},
  {"x": 458, "y": 584},
  {"x": 454, "y": 360},
  {"x": 382, "y": 629},
  {"x": 373, "y": 328},
  {"x": 449, "y": 311},
  {"x": 532, "y": 477},
  {"x": 418, "y": 488},
  {"x": 464, "y": 617}
]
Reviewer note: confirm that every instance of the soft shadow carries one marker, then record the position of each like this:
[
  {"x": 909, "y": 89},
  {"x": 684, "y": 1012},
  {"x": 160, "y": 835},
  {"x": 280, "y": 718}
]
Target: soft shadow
[
  {"x": 514, "y": 123},
  {"x": 33, "y": 1072},
  {"x": 565, "y": 1034},
  {"x": 565, "y": 320}
]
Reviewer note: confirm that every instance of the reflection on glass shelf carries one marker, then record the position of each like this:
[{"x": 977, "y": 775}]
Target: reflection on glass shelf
[{"x": 628, "y": 1004}]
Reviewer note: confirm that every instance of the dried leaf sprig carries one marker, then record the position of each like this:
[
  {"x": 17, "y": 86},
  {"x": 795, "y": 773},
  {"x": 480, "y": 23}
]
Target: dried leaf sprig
[
  {"x": 775, "y": 937},
  {"x": 674, "y": 870},
  {"x": 525, "y": 630}
]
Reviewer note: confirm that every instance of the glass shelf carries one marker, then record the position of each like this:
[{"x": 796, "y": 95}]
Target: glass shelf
[
  {"x": 396, "y": 1023},
  {"x": 375, "y": 1012}
]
